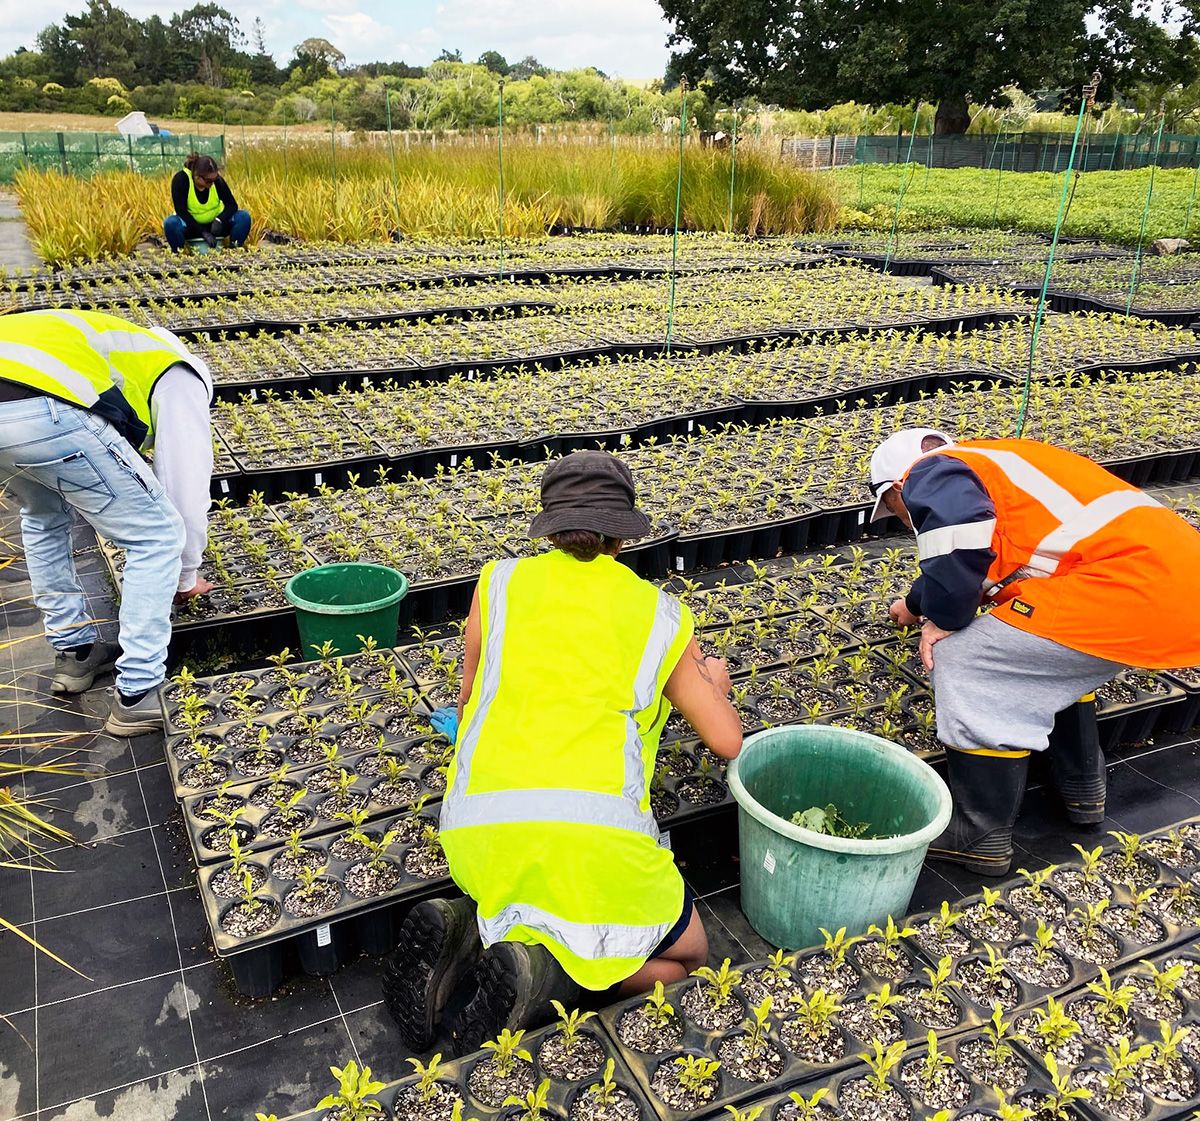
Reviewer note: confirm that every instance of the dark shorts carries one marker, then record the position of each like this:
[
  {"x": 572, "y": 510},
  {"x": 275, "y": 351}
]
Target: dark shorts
[{"x": 681, "y": 924}]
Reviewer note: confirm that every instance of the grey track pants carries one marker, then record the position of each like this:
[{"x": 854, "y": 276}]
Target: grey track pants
[{"x": 1000, "y": 688}]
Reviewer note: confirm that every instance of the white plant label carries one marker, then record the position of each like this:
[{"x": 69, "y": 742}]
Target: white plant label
[
  {"x": 690, "y": 425},
  {"x": 317, "y": 479},
  {"x": 862, "y": 517},
  {"x": 224, "y": 486},
  {"x": 679, "y": 564},
  {"x": 454, "y": 461},
  {"x": 324, "y": 935},
  {"x": 769, "y": 862}
]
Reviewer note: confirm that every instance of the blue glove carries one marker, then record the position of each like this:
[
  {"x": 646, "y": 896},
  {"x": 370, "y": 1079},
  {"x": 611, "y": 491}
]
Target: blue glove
[{"x": 445, "y": 721}]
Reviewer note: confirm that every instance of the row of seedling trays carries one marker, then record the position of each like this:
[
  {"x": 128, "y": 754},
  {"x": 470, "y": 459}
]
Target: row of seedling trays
[{"x": 1000, "y": 1004}]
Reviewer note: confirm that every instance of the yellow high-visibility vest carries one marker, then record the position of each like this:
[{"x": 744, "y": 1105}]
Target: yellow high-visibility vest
[
  {"x": 202, "y": 212},
  {"x": 96, "y": 361},
  {"x": 546, "y": 822}
]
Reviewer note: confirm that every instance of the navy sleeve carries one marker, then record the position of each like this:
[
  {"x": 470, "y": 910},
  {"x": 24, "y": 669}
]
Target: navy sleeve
[
  {"x": 954, "y": 518},
  {"x": 179, "y": 197}
]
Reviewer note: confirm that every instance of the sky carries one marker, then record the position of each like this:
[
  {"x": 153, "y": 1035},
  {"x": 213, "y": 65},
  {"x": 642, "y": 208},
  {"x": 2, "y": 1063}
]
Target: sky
[{"x": 624, "y": 38}]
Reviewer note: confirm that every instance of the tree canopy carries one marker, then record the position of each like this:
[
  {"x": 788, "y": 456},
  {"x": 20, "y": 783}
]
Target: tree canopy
[{"x": 816, "y": 53}]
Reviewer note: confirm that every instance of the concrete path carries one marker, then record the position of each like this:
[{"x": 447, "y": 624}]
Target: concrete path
[{"x": 15, "y": 250}]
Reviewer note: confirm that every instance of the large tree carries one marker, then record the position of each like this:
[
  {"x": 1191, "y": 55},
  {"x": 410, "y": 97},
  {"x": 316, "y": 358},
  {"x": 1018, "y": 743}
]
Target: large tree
[{"x": 816, "y": 53}]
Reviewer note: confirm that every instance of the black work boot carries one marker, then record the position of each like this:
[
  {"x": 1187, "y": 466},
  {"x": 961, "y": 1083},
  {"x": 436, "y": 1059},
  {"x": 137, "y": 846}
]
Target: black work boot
[
  {"x": 1078, "y": 763},
  {"x": 987, "y": 791},
  {"x": 511, "y": 987},
  {"x": 439, "y": 943}
]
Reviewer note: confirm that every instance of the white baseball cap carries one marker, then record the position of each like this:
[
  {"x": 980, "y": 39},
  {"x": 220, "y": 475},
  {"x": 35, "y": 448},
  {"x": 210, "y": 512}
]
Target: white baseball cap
[{"x": 892, "y": 459}]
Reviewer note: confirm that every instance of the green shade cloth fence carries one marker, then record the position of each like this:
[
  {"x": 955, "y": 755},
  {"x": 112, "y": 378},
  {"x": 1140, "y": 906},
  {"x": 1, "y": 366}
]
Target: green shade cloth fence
[
  {"x": 1031, "y": 151},
  {"x": 82, "y": 153}
]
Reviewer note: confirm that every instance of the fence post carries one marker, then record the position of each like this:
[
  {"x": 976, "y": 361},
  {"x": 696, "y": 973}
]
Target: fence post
[
  {"x": 25, "y": 147},
  {"x": 62, "y": 153},
  {"x": 833, "y": 150},
  {"x": 129, "y": 142},
  {"x": 162, "y": 151},
  {"x": 96, "y": 137}
]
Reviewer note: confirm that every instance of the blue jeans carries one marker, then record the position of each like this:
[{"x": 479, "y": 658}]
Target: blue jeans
[
  {"x": 56, "y": 460},
  {"x": 175, "y": 231}
]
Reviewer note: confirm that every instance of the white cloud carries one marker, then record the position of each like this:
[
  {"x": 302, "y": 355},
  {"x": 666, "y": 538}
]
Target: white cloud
[
  {"x": 362, "y": 38},
  {"x": 625, "y": 37}
]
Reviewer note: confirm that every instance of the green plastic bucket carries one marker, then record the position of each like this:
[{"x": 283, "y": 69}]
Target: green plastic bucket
[
  {"x": 795, "y": 881},
  {"x": 336, "y": 603}
]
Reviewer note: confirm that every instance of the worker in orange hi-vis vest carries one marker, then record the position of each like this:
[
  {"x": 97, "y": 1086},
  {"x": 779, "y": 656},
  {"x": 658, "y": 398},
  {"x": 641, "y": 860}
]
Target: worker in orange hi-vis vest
[{"x": 1085, "y": 575}]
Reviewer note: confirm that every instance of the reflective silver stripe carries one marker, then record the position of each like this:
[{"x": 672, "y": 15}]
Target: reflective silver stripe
[
  {"x": 590, "y": 941},
  {"x": 564, "y": 807},
  {"x": 1034, "y": 482},
  {"x": 965, "y": 535},
  {"x": 469, "y": 735},
  {"x": 461, "y": 809},
  {"x": 118, "y": 341},
  {"x": 667, "y": 617},
  {"x": 1091, "y": 518},
  {"x": 49, "y": 366}
]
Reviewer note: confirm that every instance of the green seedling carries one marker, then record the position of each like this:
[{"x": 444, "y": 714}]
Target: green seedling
[
  {"x": 836, "y": 945},
  {"x": 890, "y": 937},
  {"x": 1123, "y": 1062},
  {"x": 353, "y": 1098},
  {"x": 777, "y": 966},
  {"x": 697, "y": 1075},
  {"x": 1010, "y": 1111},
  {"x": 534, "y": 1104},
  {"x": 1036, "y": 881},
  {"x": 1054, "y": 1027},
  {"x": 1114, "y": 1001},
  {"x": 506, "y": 1049},
  {"x": 1043, "y": 943},
  {"x": 756, "y": 1026},
  {"x": 940, "y": 981},
  {"x": 1168, "y": 1047},
  {"x": 814, "y": 1014},
  {"x": 750, "y": 1113},
  {"x": 1064, "y": 1096},
  {"x": 569, "y": 1024},
  {"x": 658, "y": 1010},
  {"x": 1165, "y": 981},
  {"x": 993, "y": 971},
  {"x": 1089, "y": 863},
  {"x": 808, "y": 1109},
  {"x": 933, "y": 1063},
  {"x": 604, "y": 1092},
  {"x": 1088, "y": 919},
  {"x": 718, "y": 990},
  {"x": 945, "y": 920},
  {"x": 427, "y": 1076},
  {"x": 880, "y": 1003},
  {"x": 881, "y": 1062},
  {"x": 999, "y": 1034}
]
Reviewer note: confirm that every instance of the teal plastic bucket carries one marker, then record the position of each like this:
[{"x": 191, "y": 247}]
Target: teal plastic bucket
[
  {"x": 795, "y": 881},
  {"x": 336, "y": 603}
]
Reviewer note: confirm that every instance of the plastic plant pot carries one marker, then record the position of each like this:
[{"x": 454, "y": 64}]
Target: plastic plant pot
[
  {"x": 795, "y": 881},
  {"x": 344, "y": 603}
]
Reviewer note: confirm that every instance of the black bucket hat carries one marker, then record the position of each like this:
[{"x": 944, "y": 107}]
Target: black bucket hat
[{"x": 590, "y": 491}]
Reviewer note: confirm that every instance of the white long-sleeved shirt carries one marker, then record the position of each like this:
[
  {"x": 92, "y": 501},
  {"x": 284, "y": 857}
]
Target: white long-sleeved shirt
[{"x": 183, "y": 458}]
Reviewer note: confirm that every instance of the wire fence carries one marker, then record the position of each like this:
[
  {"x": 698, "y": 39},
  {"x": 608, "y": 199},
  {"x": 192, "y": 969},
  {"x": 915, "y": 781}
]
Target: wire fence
[{"x": 84, "y": 153}]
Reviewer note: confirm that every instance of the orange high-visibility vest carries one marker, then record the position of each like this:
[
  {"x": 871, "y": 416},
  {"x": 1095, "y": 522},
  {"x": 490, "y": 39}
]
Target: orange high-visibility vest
[{"x": 1082, "y": 558}]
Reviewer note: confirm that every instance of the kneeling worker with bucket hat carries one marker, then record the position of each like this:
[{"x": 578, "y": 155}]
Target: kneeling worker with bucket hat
[
  {"x": 572, "y": 665},
  {"x": 1085, "y": 575}
]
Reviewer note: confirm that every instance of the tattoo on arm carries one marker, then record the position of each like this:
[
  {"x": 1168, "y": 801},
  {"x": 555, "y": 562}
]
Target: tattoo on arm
[{"x": 702, "y": 666}]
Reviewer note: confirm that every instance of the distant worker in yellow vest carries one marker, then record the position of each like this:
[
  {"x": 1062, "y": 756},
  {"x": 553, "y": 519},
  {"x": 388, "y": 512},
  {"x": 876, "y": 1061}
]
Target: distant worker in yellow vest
[
  {"x": 81, "y": 393},
  {"x": 571, "y": 668},
  {"x": 204, "y": 207}
]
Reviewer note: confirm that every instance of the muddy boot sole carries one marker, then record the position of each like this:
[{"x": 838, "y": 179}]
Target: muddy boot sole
[
  {"x": 439, "y": 945},
  {"x": 495, "y": 987}
]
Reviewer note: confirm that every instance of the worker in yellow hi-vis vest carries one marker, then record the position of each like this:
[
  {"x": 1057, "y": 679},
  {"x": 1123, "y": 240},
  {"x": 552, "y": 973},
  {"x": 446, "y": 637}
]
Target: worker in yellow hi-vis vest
[
  {"x": 572, "y": 665},
  {"x": 205, "y": 209},
  {"x": 82, "y": 393}
]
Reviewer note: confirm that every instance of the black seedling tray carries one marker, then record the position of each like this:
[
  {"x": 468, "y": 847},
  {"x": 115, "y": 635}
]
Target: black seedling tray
[
  {"x": 287, "y": 925},
  {"x": 401, "y": 1101},
  {"x": 310, "y": 817}
]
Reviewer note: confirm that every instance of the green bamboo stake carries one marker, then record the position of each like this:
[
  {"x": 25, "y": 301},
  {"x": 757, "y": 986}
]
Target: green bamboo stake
[
  {"x": 904, "y": 182},
  {"x": 732, "y": 168},
  {"x": 1137, "y": 256},
  {"x": 387, "y": 103},
  {"x": 678, "y": 201},
  {"x": 929, "y": 158},
  {"x": 1040, "y": 316},
  {"x": 285, "y": 146},
  {"x": 999, "y": 180},
  {"x": 500, "y": 166}
]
